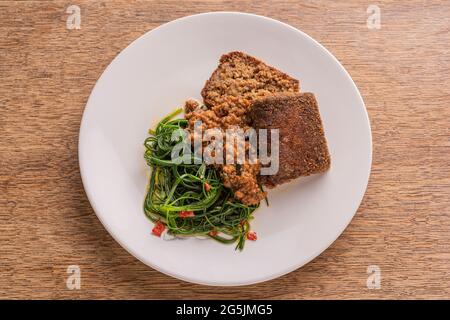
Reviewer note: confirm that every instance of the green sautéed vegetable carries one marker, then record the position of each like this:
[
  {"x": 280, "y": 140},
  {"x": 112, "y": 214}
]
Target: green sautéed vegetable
[{"x": 190, "y": 199}]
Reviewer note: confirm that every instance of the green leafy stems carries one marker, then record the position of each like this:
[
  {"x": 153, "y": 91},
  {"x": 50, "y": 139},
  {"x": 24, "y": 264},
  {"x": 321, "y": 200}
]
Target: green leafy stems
[{"x": 177, "y": 188}]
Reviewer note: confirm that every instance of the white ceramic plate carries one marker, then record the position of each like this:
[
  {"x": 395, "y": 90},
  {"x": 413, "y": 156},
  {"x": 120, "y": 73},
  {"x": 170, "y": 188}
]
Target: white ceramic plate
[{"x": 156, "y": 74}]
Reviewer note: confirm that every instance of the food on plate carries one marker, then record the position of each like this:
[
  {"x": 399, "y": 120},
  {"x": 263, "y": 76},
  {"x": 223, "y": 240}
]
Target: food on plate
[
  {"x": 241, "y": 179},
  {"x": 195, "y": 197},
  {"x": 243, "y": 76},
  {"x": 190, "y": 199},
  {"x": 303, "y": 148}
]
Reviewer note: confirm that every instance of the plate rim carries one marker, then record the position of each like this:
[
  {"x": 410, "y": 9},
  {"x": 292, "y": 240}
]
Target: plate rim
[{"x": 155, "y": 266}]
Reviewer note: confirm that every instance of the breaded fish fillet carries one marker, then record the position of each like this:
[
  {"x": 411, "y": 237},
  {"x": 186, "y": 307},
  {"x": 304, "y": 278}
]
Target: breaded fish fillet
[
  {"x": 302, "y": 145},
  {"x": 243, "y": 76}
]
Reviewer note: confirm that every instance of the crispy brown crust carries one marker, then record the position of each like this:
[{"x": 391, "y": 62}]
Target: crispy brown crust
[
  {"x": 243, "y": 76},
  {"x": 303, "y": 147}
]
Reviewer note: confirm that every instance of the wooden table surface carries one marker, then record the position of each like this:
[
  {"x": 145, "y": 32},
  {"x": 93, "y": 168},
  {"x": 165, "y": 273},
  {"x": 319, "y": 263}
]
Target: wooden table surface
[{"x": 46, "y": 223}]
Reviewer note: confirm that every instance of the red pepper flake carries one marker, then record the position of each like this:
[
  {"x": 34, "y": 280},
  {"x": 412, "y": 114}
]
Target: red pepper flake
[
  {"x": 187, "y": 214},
  {"x": 213, "y": 233},
  {"x": 158, "y": 229},
  {"x": 207, "y": 186},
  {"x": 242, "y": 223},
  {"x": 251, "y": 235}
]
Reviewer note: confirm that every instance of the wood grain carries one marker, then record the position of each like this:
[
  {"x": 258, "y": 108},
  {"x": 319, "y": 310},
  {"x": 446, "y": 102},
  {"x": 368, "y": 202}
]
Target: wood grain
[{"x": 46, "y": 223}]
